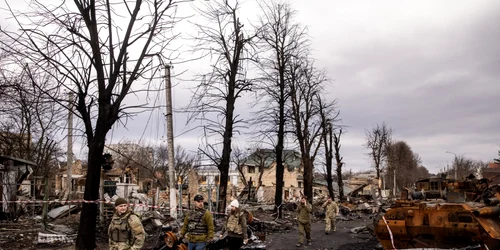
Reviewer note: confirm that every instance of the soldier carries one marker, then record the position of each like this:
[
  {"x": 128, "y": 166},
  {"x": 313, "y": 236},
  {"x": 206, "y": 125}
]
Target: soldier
[
  {"x": 198, "y": 227},
  {"x": 125, "y": 230},
  {"x": 304, "y": 209},
  {"x": 236, "y": 227},
  {"x": 331, "y": 211}
]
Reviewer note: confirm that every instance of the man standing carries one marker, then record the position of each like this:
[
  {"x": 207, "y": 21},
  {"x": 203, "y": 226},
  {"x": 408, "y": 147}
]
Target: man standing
[
  {"x": 331, "y": 211},
  {"x": 236, "y": 227},
  {"x": 198, "y": 227},
  {"x": 125, "y": 230},
  {"x": 304, "y": 209}
]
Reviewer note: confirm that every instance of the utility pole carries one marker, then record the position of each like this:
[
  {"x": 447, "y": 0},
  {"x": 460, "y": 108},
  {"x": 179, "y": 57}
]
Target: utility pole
[
  {"x": 455, "y": 163},
  {"x": 69, "y": 152},
  {"x": 170, "y": 144},
  {"x": 394, "y": 182}
]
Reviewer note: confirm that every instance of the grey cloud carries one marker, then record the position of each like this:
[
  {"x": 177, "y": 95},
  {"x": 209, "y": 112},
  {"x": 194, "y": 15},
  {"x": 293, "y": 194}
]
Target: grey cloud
[{"x": 442, "y": 84}]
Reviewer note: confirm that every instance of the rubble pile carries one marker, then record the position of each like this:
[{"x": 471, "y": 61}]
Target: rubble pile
[
  {"x": 20, "y": 234},
  {"x": 63, "y": 222}
]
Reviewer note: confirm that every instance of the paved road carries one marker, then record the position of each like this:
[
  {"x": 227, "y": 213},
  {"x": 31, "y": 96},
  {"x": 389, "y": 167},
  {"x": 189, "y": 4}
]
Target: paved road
[{"x": 341, "y": 239}]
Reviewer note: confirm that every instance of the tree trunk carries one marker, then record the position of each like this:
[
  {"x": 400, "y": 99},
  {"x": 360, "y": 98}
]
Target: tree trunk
[
  {"x": 86, "y": 231},
  {"x": 280, "y": 170},
  {"x": 340, "y": 164},
  {"x": 379, "y": 188},
  {"x": 329, "y": 177},
  {"x": 222, "y": 189},
  {"x": 340, "y": 183},
  {"x": 308, "y": 177},
  {"x": 226, "y": 149}
]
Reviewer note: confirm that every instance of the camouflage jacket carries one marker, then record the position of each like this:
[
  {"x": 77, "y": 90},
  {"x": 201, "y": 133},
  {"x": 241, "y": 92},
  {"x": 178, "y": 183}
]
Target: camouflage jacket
[
  {"x": 125, "y": 232},
  {"x": 331, "y": 209},
  {"x": 198, "y": 226},
  {"x": 236, "y": 225},
  {"x": 304, "y": 212}
]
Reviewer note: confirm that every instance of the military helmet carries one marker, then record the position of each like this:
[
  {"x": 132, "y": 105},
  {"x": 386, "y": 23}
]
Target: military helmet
[{"x": 198, "y": 197}]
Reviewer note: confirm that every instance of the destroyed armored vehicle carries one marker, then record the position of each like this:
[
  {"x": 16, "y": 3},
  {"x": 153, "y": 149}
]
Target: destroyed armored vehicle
[{"x": 443, "y": 213}]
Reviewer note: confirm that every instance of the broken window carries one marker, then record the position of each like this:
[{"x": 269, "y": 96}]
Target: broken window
[
  {"x": 203, "y": 178},
  {"x": 434, "y": 186},
  {"x": 251, "y": 169}
]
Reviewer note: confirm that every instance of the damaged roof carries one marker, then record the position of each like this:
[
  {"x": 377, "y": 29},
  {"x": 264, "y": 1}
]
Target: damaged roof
[{"x": 17, "y": 161}]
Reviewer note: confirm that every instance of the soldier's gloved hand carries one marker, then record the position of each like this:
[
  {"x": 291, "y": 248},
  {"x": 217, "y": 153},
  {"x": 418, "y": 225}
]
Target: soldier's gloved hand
[{"x": 245, "y": 241}]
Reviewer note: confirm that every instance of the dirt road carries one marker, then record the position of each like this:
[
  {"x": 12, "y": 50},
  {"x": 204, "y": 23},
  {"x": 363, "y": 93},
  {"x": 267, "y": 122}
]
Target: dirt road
[{"x": 341, "y": 239}]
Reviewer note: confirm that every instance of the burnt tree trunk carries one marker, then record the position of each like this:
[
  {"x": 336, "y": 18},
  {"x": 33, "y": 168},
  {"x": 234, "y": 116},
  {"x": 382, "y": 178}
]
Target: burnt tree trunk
[
  {"x": 308, "y": 177},
  {"x": 280, "y": 168},
  {"x": 339, "y": 159},
  {"x": 226, "y": 153},
  {"x": 87, "y": 227},
  {"x": 327, "y": 138},
  {"x": 224, "y": 163}
]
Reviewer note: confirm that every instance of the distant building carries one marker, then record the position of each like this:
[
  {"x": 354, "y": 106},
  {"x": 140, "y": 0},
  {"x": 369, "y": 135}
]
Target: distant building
[
  {"x": 292, "y": 177},
  {"x": 363, "y": 184},
  {"x": 320, "y": 186},
  {"x": 491, "y": 172}
]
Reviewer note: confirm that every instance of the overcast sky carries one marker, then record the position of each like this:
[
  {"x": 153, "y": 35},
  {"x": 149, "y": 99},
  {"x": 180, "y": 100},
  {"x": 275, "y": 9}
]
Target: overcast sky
[{"x": 429, "y": 69}]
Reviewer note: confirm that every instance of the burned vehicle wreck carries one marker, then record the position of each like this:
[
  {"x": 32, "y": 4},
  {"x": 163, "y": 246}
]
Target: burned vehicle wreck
[{"x": 444, "y": 213}]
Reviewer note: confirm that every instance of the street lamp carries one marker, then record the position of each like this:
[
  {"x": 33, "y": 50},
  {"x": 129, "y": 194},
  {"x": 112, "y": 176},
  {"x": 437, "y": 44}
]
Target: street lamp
[{"x": 455, "y": 163}]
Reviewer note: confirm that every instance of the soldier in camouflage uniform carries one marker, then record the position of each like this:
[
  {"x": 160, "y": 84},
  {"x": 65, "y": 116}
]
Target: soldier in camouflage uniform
[
  {"x": 331, "y": 211},
  {"x": 125, "y": 230},
  {"x": 304, "y": 209},
  {"x": 236, "y": 227},
  {"x": 198, "y": 227}
]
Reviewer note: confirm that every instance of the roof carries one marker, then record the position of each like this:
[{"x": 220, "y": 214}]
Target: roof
[
  {"x": 291, "y": 158},
  {"x": 335, "y": 185},
  {"x": 493, "y": 165},
  {"x": 17, "y": 161}
]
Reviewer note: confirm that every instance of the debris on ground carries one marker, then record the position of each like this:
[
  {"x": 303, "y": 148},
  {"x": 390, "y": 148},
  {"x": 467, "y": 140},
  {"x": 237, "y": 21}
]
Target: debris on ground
[{"x": 62, "y": 223}]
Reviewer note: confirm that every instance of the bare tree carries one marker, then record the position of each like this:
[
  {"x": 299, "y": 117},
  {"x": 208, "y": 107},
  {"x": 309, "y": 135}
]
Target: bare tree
[
  {"x": 401, "y": 160},
  {"x": 239, "y": 157},
  {"x": 216, "y": 96},
  {"x": 136, "y": 160},
  {"x": 464, "y": 166},
  {"x": 340, "y": 163},
  {"x": 97, "y": 50},
  {"x": 422, "y": 173},
  {"x": 306, "y": 84},
  {"x": 328, "y": 117},
  {"x": 376, "y": 141},
  {"x": 151, "y": 161},
  {"x": 29, "y": 124},
  {"x": 185, "y": 162},
  {"x": 29, "y": 119},
  {"x": 282, "y": 40}
]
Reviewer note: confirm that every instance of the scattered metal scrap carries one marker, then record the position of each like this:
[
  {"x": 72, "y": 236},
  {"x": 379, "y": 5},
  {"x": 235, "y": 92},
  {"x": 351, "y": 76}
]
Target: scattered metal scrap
[{"x": 459, "y": 215}]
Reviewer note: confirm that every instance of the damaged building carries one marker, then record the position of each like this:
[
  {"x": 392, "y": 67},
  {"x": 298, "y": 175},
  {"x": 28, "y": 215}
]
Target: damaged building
[{"x": 14, "y": 173}]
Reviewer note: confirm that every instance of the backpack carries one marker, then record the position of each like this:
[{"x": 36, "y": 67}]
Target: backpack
[{"x": 249, "y": 216}]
